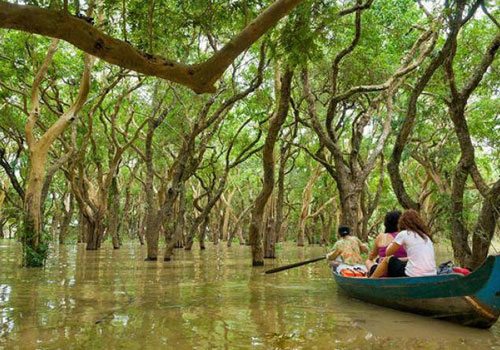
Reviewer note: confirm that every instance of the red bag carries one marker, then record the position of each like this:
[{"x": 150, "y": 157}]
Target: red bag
[
  {"x": 352, "y": 273},
  {"x": 347, "y": 273},
  {"x": 461, "y": 270}
]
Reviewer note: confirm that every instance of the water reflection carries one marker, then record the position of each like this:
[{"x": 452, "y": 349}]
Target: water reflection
[{"x": 201, "y": 300}]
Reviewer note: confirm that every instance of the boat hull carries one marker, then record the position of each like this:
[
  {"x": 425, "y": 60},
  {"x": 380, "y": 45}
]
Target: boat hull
[{"x": 472, "y": 300}]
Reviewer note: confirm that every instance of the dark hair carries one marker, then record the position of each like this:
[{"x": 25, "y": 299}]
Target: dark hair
[
  {"x": 411, "y": 221},
  {"x": 391, "y": 221},
  {"x": 344, "y": 230}
]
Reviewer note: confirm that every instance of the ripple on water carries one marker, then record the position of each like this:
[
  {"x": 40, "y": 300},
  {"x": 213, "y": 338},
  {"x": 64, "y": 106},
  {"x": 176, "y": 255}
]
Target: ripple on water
[{"x": 207, "y": 299}]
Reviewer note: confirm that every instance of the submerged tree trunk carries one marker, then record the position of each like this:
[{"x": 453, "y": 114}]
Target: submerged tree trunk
[
  {"x": 68, "y": 215},
  {"x": 34, "y": 245},
  {"x": 95, "y": 232},
  {"x": 467, "y": 165},
  {"x": 179, "y": 225},
  {"x": 280, "y": 198},
  {"x": 35, "y": 250},
  {"x": 227, "y": 213},
  {"x": 275, "y": 123},
  {"x": 114, "y": 211},
  {"x": 485, "y": 227},
  {"x": 3, "y": 193},
  {"x": 203, "y": 231},
  {"x": 140, "y": 228},
  {"x": 82, "y": 228},
  {"x": 306, "y": 204},
  {"x": 269, "y": 232},
  {"x": 326, "y": 229}
]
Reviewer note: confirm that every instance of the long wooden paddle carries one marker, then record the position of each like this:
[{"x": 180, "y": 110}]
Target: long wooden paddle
[{"x": 291, "y": 266}]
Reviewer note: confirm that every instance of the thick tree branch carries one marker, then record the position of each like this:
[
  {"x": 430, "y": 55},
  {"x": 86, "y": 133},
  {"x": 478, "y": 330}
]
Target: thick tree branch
[
  {"x": 35, "y": 100},
  {"x": 198, "y": 77}
]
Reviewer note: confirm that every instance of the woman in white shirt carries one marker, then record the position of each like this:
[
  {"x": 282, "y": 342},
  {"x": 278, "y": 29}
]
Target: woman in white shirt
[{"x": 416, "y": 238}]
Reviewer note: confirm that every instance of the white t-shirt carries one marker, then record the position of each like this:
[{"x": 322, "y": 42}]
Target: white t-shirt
[{"x": 421, "y": 261}]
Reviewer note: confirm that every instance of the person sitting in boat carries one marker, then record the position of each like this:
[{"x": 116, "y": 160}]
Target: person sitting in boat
[
  {"x": 416, "y": 238},
  {"x": 348, "y": 248},
  {"x": 383, "y": 240}
]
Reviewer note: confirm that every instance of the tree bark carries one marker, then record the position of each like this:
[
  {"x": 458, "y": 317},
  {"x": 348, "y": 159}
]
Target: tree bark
[
  {"x": 95, "y": 232},
  {"x": 269, "y": 233},
  {"x": 35, "y": 248},
  {"x": 466, "y": 165},
  {"x": 68, "y": 215},
  {"x": 280, "y": 199},
  {"x": 203, "y": 231},
  {"x": 179, "y": 226},
  {"x": 484, "y": 229},
  {"x": 114, "y": 215},
  {"x": 4, "y": 187},
  {"x": 306, "y": 204},
  {"x": 82, "y": 228},
  {"x": 275, "y": 123},
  {"x": 88, "y": 38}
]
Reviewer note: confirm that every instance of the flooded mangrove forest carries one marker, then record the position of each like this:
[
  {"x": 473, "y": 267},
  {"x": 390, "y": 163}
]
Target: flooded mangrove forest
[{"x": 156, "y": 157}]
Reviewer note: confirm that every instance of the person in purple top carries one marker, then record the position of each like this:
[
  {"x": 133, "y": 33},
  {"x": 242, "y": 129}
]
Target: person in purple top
[{"x": 383, "y": 240}]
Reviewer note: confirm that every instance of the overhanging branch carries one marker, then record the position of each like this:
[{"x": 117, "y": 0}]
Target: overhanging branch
[{"x": 198, "y": 77}]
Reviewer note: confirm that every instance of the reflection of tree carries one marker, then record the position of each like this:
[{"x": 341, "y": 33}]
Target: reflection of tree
[{"x": 266, "y": 308}]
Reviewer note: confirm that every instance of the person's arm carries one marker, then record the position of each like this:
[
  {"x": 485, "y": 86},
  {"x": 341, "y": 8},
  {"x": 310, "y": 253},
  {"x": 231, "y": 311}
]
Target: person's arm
[
  {"x": 392, "y": 249},
  {"x": 374, "y": 253},
  {"x": 396, "y": 243},
  {"x": 333, "y": 255},
  {"x": 363, "y": 247}
]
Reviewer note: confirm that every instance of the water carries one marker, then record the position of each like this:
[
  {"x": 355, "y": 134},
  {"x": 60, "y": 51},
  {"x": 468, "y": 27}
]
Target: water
[{"x": 202, "y": 300}]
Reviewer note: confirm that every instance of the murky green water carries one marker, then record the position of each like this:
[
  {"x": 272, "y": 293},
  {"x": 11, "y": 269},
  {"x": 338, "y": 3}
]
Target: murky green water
[{"x": 203, "y": 300}]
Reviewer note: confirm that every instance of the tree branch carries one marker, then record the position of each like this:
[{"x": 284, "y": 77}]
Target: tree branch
[{"x": 198, "y": 77}]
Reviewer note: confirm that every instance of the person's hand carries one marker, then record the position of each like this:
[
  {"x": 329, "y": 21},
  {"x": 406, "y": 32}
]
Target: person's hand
[{"x": 328, "y": 256}]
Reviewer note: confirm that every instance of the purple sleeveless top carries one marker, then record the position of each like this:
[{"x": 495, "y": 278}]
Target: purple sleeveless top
[{"x": 400, "y": 253}]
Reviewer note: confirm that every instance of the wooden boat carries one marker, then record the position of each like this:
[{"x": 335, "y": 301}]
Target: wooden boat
[{"x": 472, "y": 300}]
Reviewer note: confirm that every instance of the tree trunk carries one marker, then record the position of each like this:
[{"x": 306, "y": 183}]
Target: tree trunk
[
  {"x": 95, "y": 232},
  {"x": 236, "y": 231},
  {"x": 82, "y": 228},
  {"x": 3, "y": 193},
  {"x": 269, "y": 236},
  {"x": 216, "y": 225},
  {"x": 68, "y": 215},
  {"x": 56, "y": 219},
  {"x": 306, "y": 203},
  {"x": 220, "y": 226},
  {"x": 35, "y": 249},
  {"x": 310, "y": 234},
  {"x": 349, "y": 204},
  {"x": 284, "y": 229},
  {"x": 179, "y": 226},
  {"x": 240, "y": 236},
  {"x": 227, "y": 213},
  {"x": 203, "y": 231},
  {"x": 275, "y": 123},
  {"x": 280, "y": 200},
  {"x": 326, "y": 229},
  {"x": 152, "y": 236},
  {"x": 485, "y": 227},
  {"x": 140, "y": 227},
  {"x": 152, "y": 216},
  {"x": 114, "y": 213}
]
